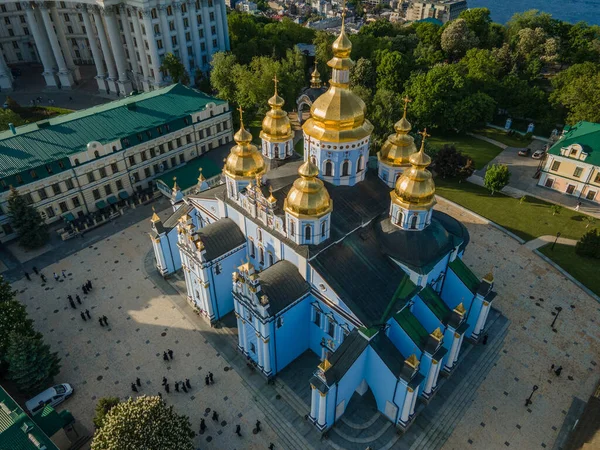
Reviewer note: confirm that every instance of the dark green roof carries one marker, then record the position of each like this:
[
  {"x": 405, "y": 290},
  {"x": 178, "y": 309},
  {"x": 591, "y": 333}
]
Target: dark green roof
[
  {"x": 388, "y": 353},
  {"x": 17, "y": 430},
  {"x": 53, "y": 140},
  {"x": 50, "y": 421},
  {"x": 586, "y": 134},
  {"x": 411, "y": 325},
  {"x": 435, "y": 303},
  {"x": 187, "y": 176},
  {"x": 465, "y": 274}
]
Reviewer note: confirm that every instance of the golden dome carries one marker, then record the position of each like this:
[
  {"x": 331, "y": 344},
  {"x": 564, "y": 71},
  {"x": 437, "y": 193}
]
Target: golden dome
[
  {"x": 398, "y": 147},
  {"x": 338, "y": 115},
  {"x": 315, "y": 78},
  {"x": 415, "y": 188},
  {"x": 308, "y": 196},
  {"x": 244, "y": 160},
  {"x": 276, "y": 125}
]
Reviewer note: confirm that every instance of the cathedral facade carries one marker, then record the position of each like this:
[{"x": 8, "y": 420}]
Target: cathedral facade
[{"x": 329, "y": 255}]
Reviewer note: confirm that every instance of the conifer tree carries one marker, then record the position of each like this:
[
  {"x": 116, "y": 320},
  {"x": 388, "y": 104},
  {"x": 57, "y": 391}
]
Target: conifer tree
[
  {"x": 30, "y": 226},
  {"x": 6, "y": 290},
  {"x": 31, "y": 364},
  {"x": 13, "y": 318}
]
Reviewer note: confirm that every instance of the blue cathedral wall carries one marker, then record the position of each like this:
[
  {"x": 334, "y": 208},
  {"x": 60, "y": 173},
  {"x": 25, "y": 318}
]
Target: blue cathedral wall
[
  {"x": 401, "y": 340},
  {"x": 455, "y": 292},
  {"x": 170, "y": 251},
  {"x": 347, "y": 385},
  {"x": 293, "y": 336},
  {"x": 220, "y": 285},
  {"x": 381, "y": 381},
  {"x": 427, "y": 318},
  {"x": 438, "y": 269}
]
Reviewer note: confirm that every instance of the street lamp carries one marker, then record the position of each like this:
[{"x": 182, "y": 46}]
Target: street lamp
[
  {"x": 554, "y": 243},
  {"x": 558, "y": 310},
  {"x": 528, "y": 401}
]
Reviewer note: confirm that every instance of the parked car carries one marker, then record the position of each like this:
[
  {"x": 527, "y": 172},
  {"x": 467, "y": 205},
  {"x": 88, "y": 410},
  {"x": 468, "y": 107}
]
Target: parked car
[
  {"x": 525, "y": 152},
  {"x": 538, "y": 154},
  {"x": 52, "y": 396}
]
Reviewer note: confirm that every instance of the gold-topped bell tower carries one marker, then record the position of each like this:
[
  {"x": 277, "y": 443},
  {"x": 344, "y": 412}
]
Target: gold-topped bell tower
[
  {"x": 413, "y": 197},
  {"x": 277, "y": 135},
  {"x": 394, "y": 156}
]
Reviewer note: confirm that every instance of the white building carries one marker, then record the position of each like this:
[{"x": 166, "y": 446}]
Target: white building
[
  {"x": 126, "y": 40},
  {"x": 443, "y": 10},
  {"x": 246, "y": 6}
]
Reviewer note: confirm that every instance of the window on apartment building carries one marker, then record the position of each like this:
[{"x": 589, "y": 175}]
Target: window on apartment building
[
  {"x": 181, "y": 158},
  {"x": 28, "y": 198},
  {"x": 96, "y": 194},
  {"x": 63, "y": 207},
  {"x": 90, "y": 176},
  {"x": 555, "y": 165},
  {"x": 76, "y": 162},
  {"x": 186, "y": 22},
  {"x": 42, "y": 193},
  {"x": 208, "y": 132},
  {"x": 119, "y": 184},
  {"x": 80, "y": 17},
  {"x": 174, "y": 40},
  {"x": 26, "y": 31},
  {"x": 210, "y": 3},
  {"x": 573, "y": 151},
  {"x": 578, "y": 171},
  {"x": 173, "y": 161},
  {"x": 136, "y": 177},
  {"x": 76, "y": 202},
  {"x": 144, "y": 156},
  {"x": 178, "y": 141},
  {"x": 201, "y": 34},
  {"x": 11, "y": 33},
  {"x": 159, "y": 44},
  {"x": 33, "y": 174},
  {"x": 188, "y": 138},
  {"x": 3, "y": 8},
  {"x": 108, "y": 189},
  {"x": 149, "y": 134},
  {"x": 597, "y": 179},
  {"x": 15, "y": 45},
  {"x": 152, "y": 152},
  {"x": 204, "y": 60},
  {"x": 7, "y": 20},
  {"x": 214, "y": 43},
  {"x": 213, "y": 29},
  {"x": 61, "y": 164},
  {"x": 153, "y": 13},
  {"x": 50, "y": 211},
  {"x": 160, "y": 130},
  {"x": 590, "y": 195},
  {"x": 201, "y": 134},
  {"x": 161, "y": 149},
  {"x": 70, "y": 31},
  {"x": 67, "y": 18},
  {"x": 19, "y": 179},
  {"x": 132, "y": 160},
  {"x": 56, "y": 188},
  {"x": 172, "y": 26},
  {"x": 188, "y": 38},
  {"x": 156, "y": 168},
  {"x": 103, "y": 173},
  {"x": 183, "y": 8},
  {"x": 169, "y": 10},
  {"x": 147, "y": 172},
  {"x": 170, "y": 145},
  {"x": 69, "y": 184},
  {"x": 114, "y": 167},
  {"x": 317, "y": 321}
]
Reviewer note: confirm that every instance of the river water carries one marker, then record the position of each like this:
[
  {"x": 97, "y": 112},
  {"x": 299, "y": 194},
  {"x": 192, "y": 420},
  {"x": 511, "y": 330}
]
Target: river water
[{"x": 567, "y": 10}]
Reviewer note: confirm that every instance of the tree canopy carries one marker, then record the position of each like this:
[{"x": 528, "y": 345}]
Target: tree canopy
[{"x": 26, "y": 220}]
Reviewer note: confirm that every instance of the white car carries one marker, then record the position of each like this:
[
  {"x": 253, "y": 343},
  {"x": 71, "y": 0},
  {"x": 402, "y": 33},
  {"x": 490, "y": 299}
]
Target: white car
[
  {"x": 52, "y": 396},
  {"x": 538, "y": 154}
]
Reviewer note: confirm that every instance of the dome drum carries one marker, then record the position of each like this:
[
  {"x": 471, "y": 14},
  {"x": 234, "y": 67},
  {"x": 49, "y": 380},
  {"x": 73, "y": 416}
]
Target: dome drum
[{"x": 339, "y": 164}]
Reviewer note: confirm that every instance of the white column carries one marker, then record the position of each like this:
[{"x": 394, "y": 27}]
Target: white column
[
  {"x": 96, "y": 54},
  {"x": 481, "y": 319},
  {"x": 430, "y": 377},
  {"x": 267, "y": 356},
  {"x": 154, "y": 57},
  {"x": 414, "y": 402},
  {"x": 259, "y": 351},
  {"x": 124, "y": 15},
  {"x": 453, "y": 351},
  {"x": 65, "y": 77},
  {"x": 60, "y": 32},
  {"x": 164, "y": 26},
  {"x": 183, "y": 49},
  {"x": 195, "y": 37},
  {"x": 322, "y": 409},
  {"x": 314, "y": 402},
  {"x": 116, "y": 44},
  {"x": 141, "y": 48},
  {"x": 437, "y": 374},
  {"x": 240, "y": 325},
  {"x": 108, "y": 57},
  {"x": 43, "y": 47},
  {"x": 6, "y": 80},
  {"x": 245, "y": 336},
  {"x": 219, "y": 25},
  {"x": 405, "y": 415},
  {"x": 207, "y": 34}
]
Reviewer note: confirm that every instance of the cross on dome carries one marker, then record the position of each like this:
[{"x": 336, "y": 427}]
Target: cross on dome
[{"x": 275, "y": 80}]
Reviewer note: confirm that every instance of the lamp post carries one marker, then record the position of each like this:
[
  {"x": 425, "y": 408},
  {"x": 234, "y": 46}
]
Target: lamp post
[
  {"x": 554, "y": 243},
  {"x": 528, "y": 401},
  {"x": 558, "y": 310}
]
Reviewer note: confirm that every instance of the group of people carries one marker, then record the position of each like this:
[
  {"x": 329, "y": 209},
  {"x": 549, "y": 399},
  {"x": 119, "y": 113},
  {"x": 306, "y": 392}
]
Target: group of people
[
  {"x": 136, "y": 384},
  {"x": 179, "y": 385},
  {"x": 37, "y": 272},
  {"x": 168, "y": 355}
]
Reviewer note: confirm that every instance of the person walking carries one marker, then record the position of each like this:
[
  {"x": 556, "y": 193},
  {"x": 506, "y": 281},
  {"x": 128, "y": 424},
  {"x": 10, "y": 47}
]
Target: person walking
[
  {"x": 177, "y": 386},
  {"x": 70, "y": 298},
  {"x": 83, "y": 316},
  {"x": 215, "y": 416},
  {"x": 238, "y": 430},
  {"x": 165, "y": 356},
  {"x": 35, "y": 270},
  {"x": 207, "y": 380},
  {"x": 138, "y": 381},
  {"x": 101, "y": 323},
  {"x": 64, "y": 274},
  {"x": 202, "y": 426},
  {"x": 133, "y": 387},
  {"x": 56, "y": 277},
  {"x": 210, "y": 377},
  {"x": 43, "y": 278},
  {"x": 89, "y": 284},
  {"x": 105, "y": 320},
  {"x": 27, "y": 276},
  {"x": 167, "y": 388},
  {"x": 78, "y": 299},
  {"x": 187, "y": 383},
  {"x": 164, "y": 381},
  {"x": 87, "y": 313},
  {"x": 558, "y": 371},
  {"x": 170, "y": 352},
  {"x": 84, "y": 289},
  {"x": 258, "y": 426},
  {"x": 183, "y": 387},
  {"x": 72, "y": 303},
  {"x": 271, "y": 446},
  {"x": 578, "y": 206},
  {"x": 485, "y": 339}
]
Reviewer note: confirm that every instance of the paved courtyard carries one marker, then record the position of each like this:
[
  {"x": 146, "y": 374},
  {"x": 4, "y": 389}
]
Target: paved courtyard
[
  {"x": 145, "y": 319},
  {"x": 100, "y": 361}
]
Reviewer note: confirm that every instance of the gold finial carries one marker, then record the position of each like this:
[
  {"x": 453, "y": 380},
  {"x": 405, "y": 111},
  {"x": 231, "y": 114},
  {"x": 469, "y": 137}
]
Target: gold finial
[
  {"x": 271, "y": 198},
  {"x": 412, "y": 361},
  {"x": 437, "y": 334},
  {"x": 425, "y": 136},
  {"x": 460, "y": 309},
  {"x": 325, "y": 365},
  {"x": 275, "y": 80},
  {"x": 241, "y": 116},
  {"x": 201, "y": 178},
  {"x": 175, "y": 188},
  {"x": 406, "y": 102},
  {"x": 489, "y": 277},
  {"x": 155, "y": 217}
]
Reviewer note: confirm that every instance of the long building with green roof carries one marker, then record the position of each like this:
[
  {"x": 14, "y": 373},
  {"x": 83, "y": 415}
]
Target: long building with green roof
[
  {"x": 573, "y": 163},
  {"x": 75, "y": 164}
]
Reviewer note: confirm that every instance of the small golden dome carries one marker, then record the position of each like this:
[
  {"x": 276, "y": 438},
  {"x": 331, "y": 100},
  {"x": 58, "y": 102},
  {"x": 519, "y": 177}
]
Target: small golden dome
[
  {"x": 415, "y": 188},
  {"x": 244, "y": 160},
  {"x": 342, "y": 46},
  {"x": 276, "y": 125},
  {"x": 315, "y": 78},
  {"x": 308, "y": 196},
  {"x": 398, "y": 147}
]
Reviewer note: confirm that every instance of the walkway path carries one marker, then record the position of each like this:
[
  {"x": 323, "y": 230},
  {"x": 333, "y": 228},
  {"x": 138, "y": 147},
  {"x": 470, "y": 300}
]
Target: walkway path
[
  {"x": 543, "y": 240},
  {"x": 491, "y": 141}
]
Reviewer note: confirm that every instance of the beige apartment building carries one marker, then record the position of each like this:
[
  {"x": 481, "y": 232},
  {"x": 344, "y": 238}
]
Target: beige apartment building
[{"x": 443, "y": 10}]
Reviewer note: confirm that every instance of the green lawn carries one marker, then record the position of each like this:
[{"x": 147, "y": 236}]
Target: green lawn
[
  {"x": 501, "y": 136},
  {"x": 529, "y": 220},
  {"x": 583, "y": 269},
  {"x": 299, "y": 147},
  {"x": 480, "y": 151}
]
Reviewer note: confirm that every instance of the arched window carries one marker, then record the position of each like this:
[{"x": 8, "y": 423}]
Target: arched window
[
  {"x": 259, "y": 234},
  {"x": 270, "y": 259},
  {"x": 261, "y": 253},
  {"x": 346, "y": 168},
  {"x": 307, "y": 233},
  {"x": 76, "y": 162},
  {"x": 400, "y": 218},
  {"x": 277, "y": 151},
  {"x": 324, "y": 229},
  {"x": 291, "y": 228},
  {"x": 96, "y": 154},
  {"x": 360, "y": 164},
  {"x": 252, "y": 254},
  {"x": 153, "y": 13},
  {"x": 413, "y": 222},
  {"x": 328, "y": 168},
  {"x": 114, "y": 148}
]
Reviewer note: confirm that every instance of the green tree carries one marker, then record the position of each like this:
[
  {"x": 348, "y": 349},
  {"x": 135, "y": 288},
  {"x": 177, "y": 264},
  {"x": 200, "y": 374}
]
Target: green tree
[
  {"x": 457, "y": 38},
  {"x": 104, "y": 405},
  {"x": 577, "y": 90},
  {"x": 449, "y": 162},
  {"x": 496, "y": 177},
  {"x": 144, "y": 423},
  {"x": 323, "y": 52},
  {"x": 580, "y": 43},
  {"x": 363, "y": 74},
  {"x": 556, "y": 209},
  {"x": 483, "y": 67},
  {"x": 13, "y": 319},
  {"x": 589, "y": 244},
  {"x": 531, "y": 19},
  {"x": 472, "y": 111},
  {"x": 175, "y": 68},
  {"x": 9, "y": 116},
  {"x": 520, "y": 99},
  {"x": 31, "y": 364},
  {"x": 6, "y": 291},
  {"x": 392, "y": 70},
  {"x": 479, "y": 21},
  {"x": 386, "y": 109},
  {"x": 221, "y": 79},
  {"x": 30, "y": 226}
]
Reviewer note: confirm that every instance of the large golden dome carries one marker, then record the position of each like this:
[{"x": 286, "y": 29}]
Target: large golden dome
[
  {"x": 398, "y": 147},
  {"x": 244, "y": 160},
  {"x": 339, "y": 115},
  {"x": 276, "y": 125},
  {"x": 308, "y": 196},
  {"x": 415, "y": 188}
]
